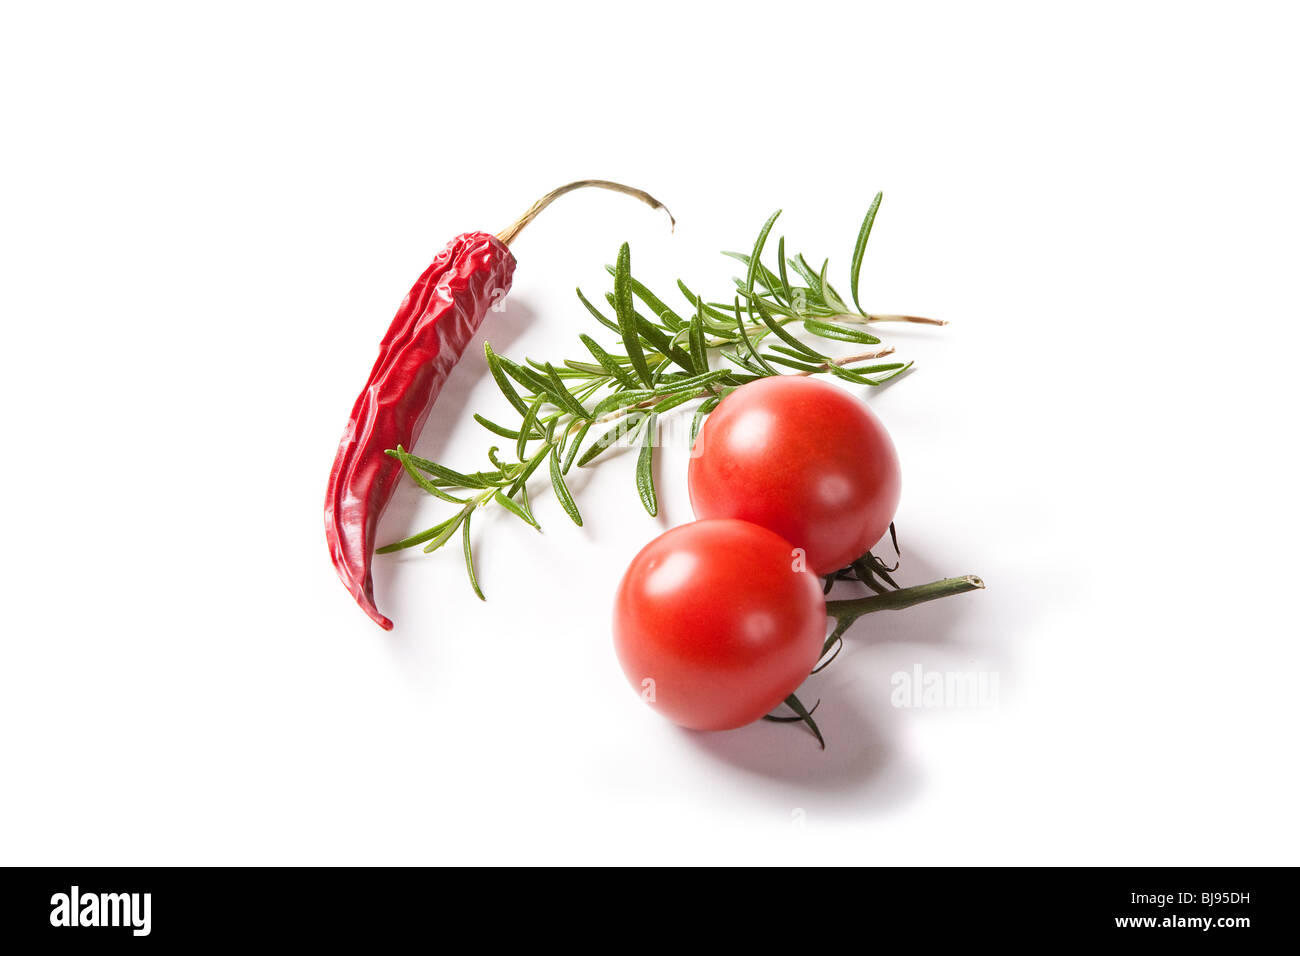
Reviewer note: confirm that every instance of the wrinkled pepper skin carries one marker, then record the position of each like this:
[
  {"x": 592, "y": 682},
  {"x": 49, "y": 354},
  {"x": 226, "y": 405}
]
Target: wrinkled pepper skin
[{"x": 426, "y": 339}]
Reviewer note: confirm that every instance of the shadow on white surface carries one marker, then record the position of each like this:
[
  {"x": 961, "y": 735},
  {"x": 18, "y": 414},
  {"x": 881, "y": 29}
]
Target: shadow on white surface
[
  {"x": 864, "y": 756},
  {"x": 860, "y": 760}
]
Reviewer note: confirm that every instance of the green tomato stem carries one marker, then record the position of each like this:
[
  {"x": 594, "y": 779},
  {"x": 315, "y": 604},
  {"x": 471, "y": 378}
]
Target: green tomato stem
[{"x": 845, "y": 612}]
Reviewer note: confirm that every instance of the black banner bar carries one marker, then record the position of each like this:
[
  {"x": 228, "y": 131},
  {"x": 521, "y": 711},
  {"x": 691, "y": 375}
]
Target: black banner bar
[{"x": 173, "y": 905}]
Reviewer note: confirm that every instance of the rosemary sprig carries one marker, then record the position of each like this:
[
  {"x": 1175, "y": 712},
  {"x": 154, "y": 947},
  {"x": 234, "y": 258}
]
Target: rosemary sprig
[{"x": 571, "y": 413}]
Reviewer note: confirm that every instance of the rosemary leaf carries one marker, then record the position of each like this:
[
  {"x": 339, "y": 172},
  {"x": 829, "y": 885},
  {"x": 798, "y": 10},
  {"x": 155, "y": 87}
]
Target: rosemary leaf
[
  {"x": 672, "y": 401},
  {"x": 469, "y": 560},
  {"x": 608, "y": 439},
  {"x": 516, "y": 509},
  {"x": 799, "y": 265},
  {"x": 617, "y": 400},
  {"x": 503, "y": 382},
  {"x": 415, "y": 539},
  {"x": 785, "y": 278},
  {"x": 562, "y": 490},
  {"x": 840, "y": 332},
  {"x": 708, "y": 405},
  {"x": 721, "y": 321},
  {"x": 599, "y": 316},
  {"x": 520, "y": 484},
  {"x": 496, "y": 429},
  {"x": 749, "y": 346},
  {"x": 608, "y": 362},
  {"x": 781, "y": 333},
  {"x": 449, "y": 528},
  {"x": 448, "y": 476},
  {"x": 526, "y": 429},
  {"x": 800, "y": 353},
  {"x": 756, "y": 255},
  {"x": 575, "y": 445},
  {"x": 525, "y": 376},
  {"x": 667, "y": 316},
  {"x": 645, "y": 482},
  {"x": 626, "y": 315},
  {"x": 699, "y": 347},
  {"x": 564, "y": 396},
  {"x": 792, "y": 363},
  {"x": 860, "y": 248}
]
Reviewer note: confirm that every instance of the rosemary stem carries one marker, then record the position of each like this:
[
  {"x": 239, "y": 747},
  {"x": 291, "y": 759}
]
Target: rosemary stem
[
  {"x": 906, "y": 318},
  {"x": 852, "y": 318},
  {"x": 848, "y": 360}
]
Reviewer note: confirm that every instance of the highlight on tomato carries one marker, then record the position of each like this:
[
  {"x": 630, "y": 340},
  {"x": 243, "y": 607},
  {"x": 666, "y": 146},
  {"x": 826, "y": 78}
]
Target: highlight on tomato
[
  {"x": 717, "y": 622},
  {"x": 804, "y": 459}
]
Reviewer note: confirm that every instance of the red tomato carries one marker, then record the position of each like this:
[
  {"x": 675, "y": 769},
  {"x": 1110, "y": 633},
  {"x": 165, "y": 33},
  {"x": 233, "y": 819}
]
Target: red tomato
[
  {"x": 713, "y": 623},
  {"x": 803, "y": 458}
]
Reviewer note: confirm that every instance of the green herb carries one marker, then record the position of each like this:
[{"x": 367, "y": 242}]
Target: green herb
[{"x": 572, "y": 412}]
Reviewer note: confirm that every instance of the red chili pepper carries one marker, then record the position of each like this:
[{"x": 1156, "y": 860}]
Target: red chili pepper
[{"x": 425, "y": 340}]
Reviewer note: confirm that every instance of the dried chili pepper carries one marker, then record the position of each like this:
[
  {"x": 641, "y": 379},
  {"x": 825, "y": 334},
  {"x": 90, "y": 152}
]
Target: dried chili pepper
[{"x": 426, "y": 338}]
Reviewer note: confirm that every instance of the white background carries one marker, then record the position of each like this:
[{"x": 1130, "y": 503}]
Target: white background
[{"x": 210, "y": 214}]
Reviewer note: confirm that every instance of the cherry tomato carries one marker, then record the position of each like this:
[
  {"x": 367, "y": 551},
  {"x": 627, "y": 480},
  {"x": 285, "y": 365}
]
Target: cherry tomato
[
  {"x": 714, "y": 625},
  {"x": 803, "y": 458}
]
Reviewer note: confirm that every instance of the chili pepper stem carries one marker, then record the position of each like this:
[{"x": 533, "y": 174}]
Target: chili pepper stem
[
  {"x": 508, "y": 235},
  {"x": 845, "y": 612}
]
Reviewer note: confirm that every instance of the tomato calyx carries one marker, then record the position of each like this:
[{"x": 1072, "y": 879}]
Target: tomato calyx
[
  {"x": 801, "y": 715},
  {"x": 870, "y": 571}
]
